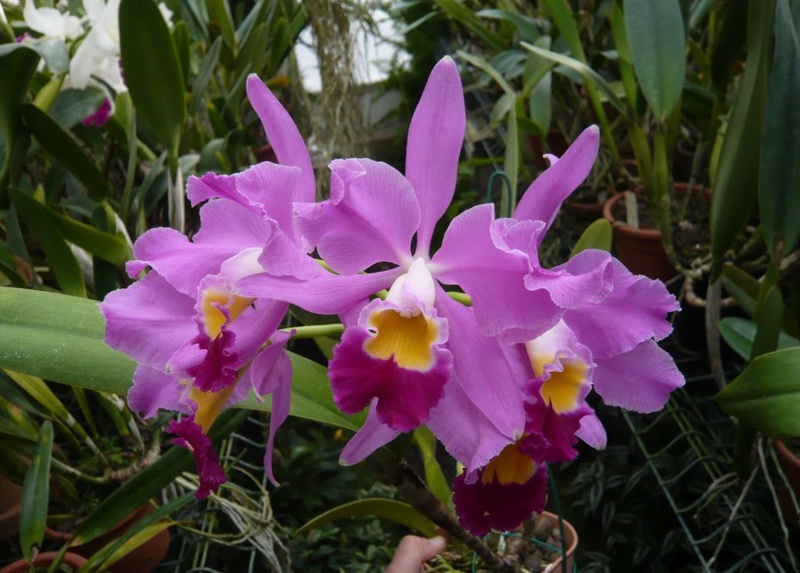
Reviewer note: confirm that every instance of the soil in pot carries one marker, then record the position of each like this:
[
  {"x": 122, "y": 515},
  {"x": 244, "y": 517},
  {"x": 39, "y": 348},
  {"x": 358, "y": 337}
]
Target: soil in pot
[{"x": 69, "y": 563}]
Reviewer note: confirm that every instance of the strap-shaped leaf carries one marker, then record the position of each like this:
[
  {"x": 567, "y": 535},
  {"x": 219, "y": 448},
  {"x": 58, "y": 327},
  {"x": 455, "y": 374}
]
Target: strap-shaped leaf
[
  {"x": 766, "y": 395},
  {"x": 734, "y": 189},
  {"x": 658, "y": 45},
  {"x": 598, "y": 235},
  {"x": 36, "y": 494},
  {"x": 152, "y": 71},
  {"x": 62, "y": 262},
  {"x": 65, "y": 150},
  {"x": 779, "y": 178},
  {"x": 60, "y": 338},
  {"x": 396, "y": 511},
  {"x": 17, "y": 69}
]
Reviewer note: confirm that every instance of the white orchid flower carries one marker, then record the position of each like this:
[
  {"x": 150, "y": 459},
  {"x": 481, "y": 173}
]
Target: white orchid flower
[{"x": 50, "y": 22}]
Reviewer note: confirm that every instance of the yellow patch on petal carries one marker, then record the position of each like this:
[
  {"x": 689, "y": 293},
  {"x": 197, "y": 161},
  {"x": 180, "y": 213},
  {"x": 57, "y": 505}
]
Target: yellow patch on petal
[
  {"x": 213, "y": 317},
  {"x": 511, "y": 466},
  {"x": 538, "y": 362},
  {"x": 209, "y": 405},
  {"x": 409, "y": 339},
  {"x": 562, "y": 388}
]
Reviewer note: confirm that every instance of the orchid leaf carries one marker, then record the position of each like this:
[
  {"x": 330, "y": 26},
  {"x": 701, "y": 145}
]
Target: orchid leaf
[
  {"x": 60, "y": 145},
  {"x": 152, "y": 70},
  {"x": 779, "y": 178},
  {"x": 434, "y": 477},
  {"x": 657, "y": 40},
  {"x": 204, "y": 75},
  {"x": 52, "y": 50},
  {"x": 393, "y": 510},
  {"x": 739, "y": 334},
  {"x": 60, "y": 338},
  {"x": 463, "y": 14},
  {"x": 149, "y": 482},
  {"x": 527, "y": 29},
  {"x": 769, "y": 323},
  {"x": 766, "y": 395},
  {"x": 62, "y": 262},
  {"x": 17, "y": 69},
  {"x": 734, "y": 188},
  {"x": 220, "y": 12},
  {"x": 71, "y": 105},
  {"x": 111, "y": 248},
  {"x": 182, "y": 43},
  {"x": 598, "y": 235},
  {"x": 36, "y": 494}
]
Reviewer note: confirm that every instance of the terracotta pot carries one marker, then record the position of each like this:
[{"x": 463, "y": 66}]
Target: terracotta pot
[
  {"x": 790, "y": 464},
  {"x": 10, "y": 498},
  {"x": 70, "y": 560},
  {"x": 570, "y": 541},
  {"x": 639, "y": 249},
  {"x": 143, "y": 559}
]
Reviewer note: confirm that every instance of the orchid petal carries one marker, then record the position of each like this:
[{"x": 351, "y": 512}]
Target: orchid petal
[
  {"x": 272, "y": 188},
  {"x": 543, "y": 198},
  {"x": 191, "y": 436},
  {"x": 154, "y": 390},
  {"x": 584, "y": 279},
  {"x": 592, "y": 432},
  {"x": 372, "y": 435},
  {"x": 283, "y": 135},
  {"x": 493, "y": 273},
  {"x": 640, "y": 380},
  {"x": 435, "y": 138},
  {"x": 633, "y": 312},
  {"x": 149, "y": 320},
  {"x": 371, "y": 216}
]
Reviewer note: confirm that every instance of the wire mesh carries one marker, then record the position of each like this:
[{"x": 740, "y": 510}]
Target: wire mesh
[{"x": 732, "y": 523}]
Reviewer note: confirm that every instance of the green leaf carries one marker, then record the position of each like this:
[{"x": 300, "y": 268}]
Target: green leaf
[
  {"x": 181, "y": 41},
  {"x": 434, "y": 477},
  {"x": 598, "y": 235},
  {"x": 71, "y": 105},
  {"x": 52, "y": 50},
  {"x": 589, "y": 75},
  {"x": 62, "y": 262},
  {"x": 769, "y": 323},
  {"x": 60, "y": 338},
  {"x": 65, "y": 150},
  {"x": 779, "y": 178},
  {"x": 462, "y": 14},
  {"x": 152, "y": 70},
  {"x": 729, "y": 41},
  {"x": 111, "y": 248},
  {"x": 487, "y": 68},
  {"x": 657, "y": 40},
  {"x": 527, "y": 29},
  {"x": 220, "y": 12},
  {"x": 204, "y": 75},
  {"x": 149, "y": 482},
  {"x": 254, "y": 51},
  {"x": 739, "y": 334},
  {"x": 735, "y": 186},
  {"x": 16, "y": 72},
  {"x": 36, "y": 494},
  {"x": 396, "y": 511},
  {"x": 766, "y": 395}
]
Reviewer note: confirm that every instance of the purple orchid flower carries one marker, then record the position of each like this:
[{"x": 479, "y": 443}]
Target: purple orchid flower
[{"x": 202, "y": 345}]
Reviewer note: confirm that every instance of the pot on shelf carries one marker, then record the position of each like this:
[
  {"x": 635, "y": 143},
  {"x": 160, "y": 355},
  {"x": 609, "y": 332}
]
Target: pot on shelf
[{"x": 70, "y": 562}]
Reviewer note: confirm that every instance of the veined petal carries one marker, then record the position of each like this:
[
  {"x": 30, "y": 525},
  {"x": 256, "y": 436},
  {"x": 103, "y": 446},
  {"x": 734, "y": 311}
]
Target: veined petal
[
  {"x": 192, "y": 437},
  {"x": 482, "y": 370},
  {"x": 372, "y": 435},
  {"x": 435, "y": 138},
  {"x": 475, "y": 257},
  {"x": 154, "y": 390},
  {"x": 640, "y": 379},
  {"x": 371, "y": 216},
  {"x": 397, "y": 359},
  {"x": 149, "y": 321},
  {"x": 325, "y": 294},
  {"x": 506, "y": 493},
  {"x": 283, "y": 135},
  {"x": 273, "y": 189},
  {"x": 543, "y": 198},
  {"x": 584, "y": 279},
  {"x": 634, "y": 311},
  {"x": 226, "y": 229},
  {"x": 271, "y": 373}
]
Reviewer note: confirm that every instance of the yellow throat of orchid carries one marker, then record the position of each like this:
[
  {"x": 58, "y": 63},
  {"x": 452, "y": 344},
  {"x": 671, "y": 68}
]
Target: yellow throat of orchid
[
  {"x": 213, "y": 317},
  {"x": 409, "y": 339},
  {"x": 511, "y": 466},
  {"x": 562, "y": 388}
]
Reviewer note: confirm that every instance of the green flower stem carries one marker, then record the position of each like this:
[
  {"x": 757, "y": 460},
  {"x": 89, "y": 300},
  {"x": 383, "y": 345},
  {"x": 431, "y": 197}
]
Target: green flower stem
[{"x": 315, "y": 331}]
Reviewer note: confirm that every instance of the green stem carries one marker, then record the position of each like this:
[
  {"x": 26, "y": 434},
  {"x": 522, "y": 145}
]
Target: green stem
[{"x": 315, "y": 331}]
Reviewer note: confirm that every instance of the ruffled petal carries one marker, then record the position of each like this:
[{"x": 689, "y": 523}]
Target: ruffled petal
[
  {"x": 482, "y": 507},
  {"x": 592, "y": 432},
  {"x": 584, "y": 279},
  {"x": 640, "y": 380},
  {"x": 475, "y": 256},
  {"x": 435, "y": 138},
  {"x": 372, "y": 435},
  {"x": 154, "y": 390},
  {"x": 543, "y": 198},
  {"x": 191, "y": 436},
  {"x": 371, "y": 216},
  {"x": 272, "y": 189},
  {"x": 283, "y": 135},
  {"x": 396, "y": 359},
  {"x": 149, "y": 321},
  {"x": 635, "y": 310},
  {"x": 226, "y": 229}
]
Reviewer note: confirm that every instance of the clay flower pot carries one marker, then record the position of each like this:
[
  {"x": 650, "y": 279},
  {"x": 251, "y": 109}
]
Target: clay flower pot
[
  {"x": 143, "y": 559},
  {"x": 570, "y": 541},
  {"x": 10, "y": 498},
  {"x": 790, "y": 464},
  {"x": 70, "y": 562}
]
